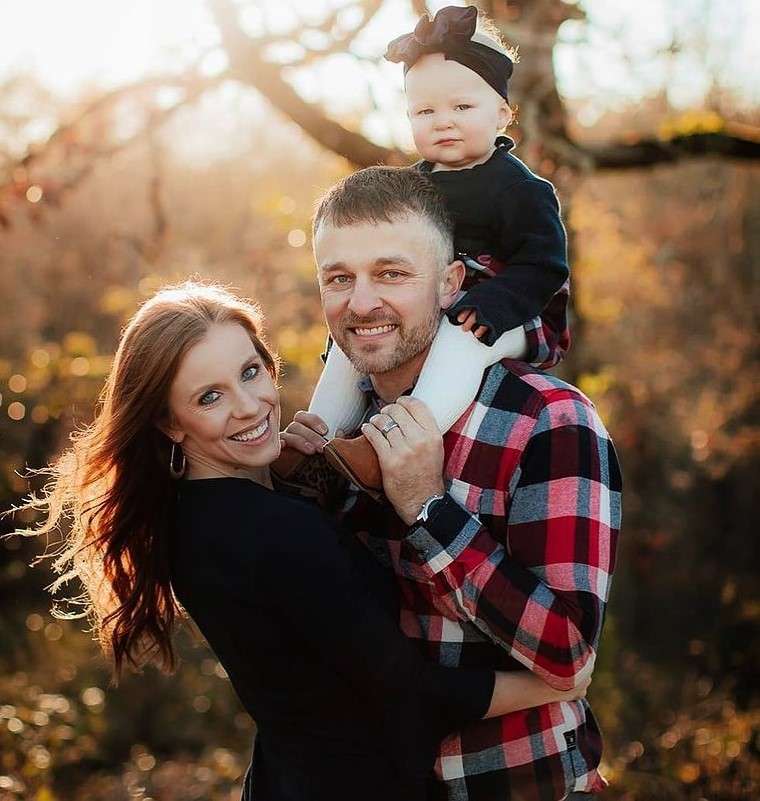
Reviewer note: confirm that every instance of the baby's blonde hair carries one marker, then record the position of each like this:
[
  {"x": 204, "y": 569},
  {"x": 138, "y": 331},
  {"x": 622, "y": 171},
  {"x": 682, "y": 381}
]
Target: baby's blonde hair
[{"x": 490, "y": 30}]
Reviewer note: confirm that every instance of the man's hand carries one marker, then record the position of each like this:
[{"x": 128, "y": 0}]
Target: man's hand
[
  {"x": 305, "y": 433},
  {"x": 410, "y": 455}
]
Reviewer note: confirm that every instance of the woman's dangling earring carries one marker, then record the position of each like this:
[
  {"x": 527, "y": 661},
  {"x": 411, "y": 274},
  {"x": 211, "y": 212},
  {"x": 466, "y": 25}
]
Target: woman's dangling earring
[{"x": 175, "y": 470}]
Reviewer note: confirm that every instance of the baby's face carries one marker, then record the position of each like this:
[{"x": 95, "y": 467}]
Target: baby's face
[{"x": 455, "y": 114}]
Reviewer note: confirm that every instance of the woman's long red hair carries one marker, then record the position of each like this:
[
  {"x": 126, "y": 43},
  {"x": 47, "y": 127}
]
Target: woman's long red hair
[{"x": 111, "y": 495}]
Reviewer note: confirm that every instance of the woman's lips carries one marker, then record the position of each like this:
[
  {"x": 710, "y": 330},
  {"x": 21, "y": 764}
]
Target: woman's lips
[{"x": 256, "y": 434}]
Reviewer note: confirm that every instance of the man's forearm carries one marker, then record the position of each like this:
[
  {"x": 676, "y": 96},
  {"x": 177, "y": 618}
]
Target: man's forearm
[
  {"x": 478, "y": 581},
  {"x": 543, "y": 600}
]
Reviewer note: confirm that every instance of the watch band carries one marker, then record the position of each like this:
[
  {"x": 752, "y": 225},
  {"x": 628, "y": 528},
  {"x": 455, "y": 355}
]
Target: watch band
[{"x": 424, "y": 514}]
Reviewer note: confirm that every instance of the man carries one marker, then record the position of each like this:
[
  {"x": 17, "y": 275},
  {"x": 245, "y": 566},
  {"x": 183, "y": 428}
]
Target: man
[{"x": 505, "y": 560}]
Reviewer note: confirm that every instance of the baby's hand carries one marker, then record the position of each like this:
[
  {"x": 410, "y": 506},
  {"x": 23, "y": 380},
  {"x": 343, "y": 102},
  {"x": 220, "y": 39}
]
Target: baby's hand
[{"x": 468, "y": 318}]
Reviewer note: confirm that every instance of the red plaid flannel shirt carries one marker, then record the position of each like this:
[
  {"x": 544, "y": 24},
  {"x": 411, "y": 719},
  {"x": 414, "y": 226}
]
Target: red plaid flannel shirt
[{"x": 512, "y": 571}]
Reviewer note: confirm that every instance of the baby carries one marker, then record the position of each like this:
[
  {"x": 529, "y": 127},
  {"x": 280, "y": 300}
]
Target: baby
[{"x": 507, "y": 232}]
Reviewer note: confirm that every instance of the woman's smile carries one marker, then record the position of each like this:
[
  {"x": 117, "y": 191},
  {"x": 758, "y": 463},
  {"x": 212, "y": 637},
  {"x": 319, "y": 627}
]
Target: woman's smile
[{"x": 255, "y": 434}]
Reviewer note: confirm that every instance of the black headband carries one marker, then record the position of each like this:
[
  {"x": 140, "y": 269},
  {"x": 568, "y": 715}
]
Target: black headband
[{"x": 450, "y": 33}]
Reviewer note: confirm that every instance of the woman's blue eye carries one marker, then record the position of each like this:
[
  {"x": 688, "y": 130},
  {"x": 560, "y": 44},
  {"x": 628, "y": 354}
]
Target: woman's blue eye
[
  {"x": 209, "y": 398},
  {"x": 213, "y": 395}
]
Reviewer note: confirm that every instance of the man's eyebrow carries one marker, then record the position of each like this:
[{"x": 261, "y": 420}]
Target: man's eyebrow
[
  {"x": 332, "y": 265},
  {"x": 384, "y": 261}
]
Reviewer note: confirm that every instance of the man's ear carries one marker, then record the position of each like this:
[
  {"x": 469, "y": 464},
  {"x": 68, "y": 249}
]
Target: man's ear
[{"x": 451, "y": 282}]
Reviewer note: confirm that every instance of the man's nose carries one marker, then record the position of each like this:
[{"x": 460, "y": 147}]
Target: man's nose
[{"x": 364, "y": 298}]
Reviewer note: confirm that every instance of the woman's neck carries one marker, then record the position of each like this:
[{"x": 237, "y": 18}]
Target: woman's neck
[{"x": 199, "y": 467}]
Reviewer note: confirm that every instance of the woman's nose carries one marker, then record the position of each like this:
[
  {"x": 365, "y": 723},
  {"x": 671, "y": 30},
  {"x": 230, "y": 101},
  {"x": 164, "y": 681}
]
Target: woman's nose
[{"x": 247, "y": 403}]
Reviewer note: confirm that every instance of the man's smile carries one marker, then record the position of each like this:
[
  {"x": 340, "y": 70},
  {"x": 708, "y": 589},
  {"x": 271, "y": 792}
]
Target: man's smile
[{"x": 374, "y": 331}]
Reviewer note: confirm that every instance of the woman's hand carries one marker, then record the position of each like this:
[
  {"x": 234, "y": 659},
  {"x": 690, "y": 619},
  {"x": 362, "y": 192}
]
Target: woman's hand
[
  {"x": 410, "y": 454},
  {"x": 305, "y": 434}
]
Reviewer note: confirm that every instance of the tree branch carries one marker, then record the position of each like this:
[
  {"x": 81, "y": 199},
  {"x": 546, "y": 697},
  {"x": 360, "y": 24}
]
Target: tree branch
[
  {"x": 649, "y": 152},
  {"x": 340, "y": 44},
  {"x": 343, "y": 43},
  {"x": 248, "y": 66},
  {"x": 16, "y": 188}
]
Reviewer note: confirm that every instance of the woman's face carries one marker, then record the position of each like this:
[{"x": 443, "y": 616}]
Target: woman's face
[{"x": 224, "y": 405}]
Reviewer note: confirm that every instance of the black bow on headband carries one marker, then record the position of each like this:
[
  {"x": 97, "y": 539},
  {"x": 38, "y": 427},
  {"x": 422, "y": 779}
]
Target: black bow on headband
[{"x": 450, "y": 32}]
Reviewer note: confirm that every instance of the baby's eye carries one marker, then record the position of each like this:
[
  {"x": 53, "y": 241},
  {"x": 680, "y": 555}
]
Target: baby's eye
[
  {"x": 463, "y": 106},
  {"x": 250, "y": 372},
  {"x": 424, "y": 111},
  {"x": 210, "y": 397}
]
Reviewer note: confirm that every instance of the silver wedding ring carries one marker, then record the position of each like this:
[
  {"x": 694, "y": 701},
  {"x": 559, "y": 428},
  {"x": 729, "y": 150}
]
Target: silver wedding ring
[{"x": 389, "y": 427}]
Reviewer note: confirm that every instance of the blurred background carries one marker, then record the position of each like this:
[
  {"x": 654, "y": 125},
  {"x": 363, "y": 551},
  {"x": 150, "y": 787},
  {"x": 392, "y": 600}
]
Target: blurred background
[{"x": 145, "y": 142}]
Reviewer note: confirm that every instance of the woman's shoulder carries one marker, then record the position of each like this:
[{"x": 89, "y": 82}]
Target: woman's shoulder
[{"x": 242, "y": 514}]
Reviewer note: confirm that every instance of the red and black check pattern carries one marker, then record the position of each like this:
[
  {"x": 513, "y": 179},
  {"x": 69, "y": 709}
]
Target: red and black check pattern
[
  {"x": 549, "y": 335},
  {"x": 512, "y": 571}
]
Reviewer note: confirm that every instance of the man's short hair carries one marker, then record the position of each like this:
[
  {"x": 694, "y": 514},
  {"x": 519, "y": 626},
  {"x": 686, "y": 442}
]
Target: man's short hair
[{"x": 387, "y": 194}]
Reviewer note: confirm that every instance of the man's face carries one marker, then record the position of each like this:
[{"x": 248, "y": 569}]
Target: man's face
[{"x": 381, "y": 290}]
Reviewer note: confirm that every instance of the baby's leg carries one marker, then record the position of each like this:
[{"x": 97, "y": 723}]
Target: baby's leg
[
  {"x": 337, "y": 399},
  {"x": 454, "y": 368}
]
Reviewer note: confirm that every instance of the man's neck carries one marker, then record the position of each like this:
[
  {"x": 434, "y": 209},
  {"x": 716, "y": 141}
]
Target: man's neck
[{"x": 389, "y": 386}]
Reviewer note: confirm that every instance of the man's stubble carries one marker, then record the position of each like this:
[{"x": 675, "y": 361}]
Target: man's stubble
[{"x": 411, "y": 342}]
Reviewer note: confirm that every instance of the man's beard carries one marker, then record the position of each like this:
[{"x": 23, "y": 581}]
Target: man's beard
[{"x": 411, "y": 341}]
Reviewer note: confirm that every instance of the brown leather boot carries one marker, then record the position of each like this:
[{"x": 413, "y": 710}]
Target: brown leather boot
[
  {"x": 287, "y": 463},
  {"x": 309, "y": 476},
  {"x": 356, "y": 459}
]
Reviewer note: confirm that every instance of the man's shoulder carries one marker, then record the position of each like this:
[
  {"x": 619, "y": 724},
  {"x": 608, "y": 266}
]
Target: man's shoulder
[{"x": 512, "y": 387}]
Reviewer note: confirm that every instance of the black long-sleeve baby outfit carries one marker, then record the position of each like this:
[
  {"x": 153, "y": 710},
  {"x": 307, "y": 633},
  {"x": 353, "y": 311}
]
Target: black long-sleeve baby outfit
[{"x": 507, "y": 219}]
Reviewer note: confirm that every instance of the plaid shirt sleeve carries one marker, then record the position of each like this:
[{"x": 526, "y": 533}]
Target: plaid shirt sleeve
[
  {"x": 549, "y": 335},
  {"x": 540, "y": 591}
]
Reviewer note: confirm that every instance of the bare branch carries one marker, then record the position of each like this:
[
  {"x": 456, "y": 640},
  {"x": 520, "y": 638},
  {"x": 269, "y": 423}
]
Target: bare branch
[
  {"x": 343, "y": 43},
  {"x": 248, "y": 66},
  {"x": 649, "y": 152},
  {"x": 15, "y": 189}
]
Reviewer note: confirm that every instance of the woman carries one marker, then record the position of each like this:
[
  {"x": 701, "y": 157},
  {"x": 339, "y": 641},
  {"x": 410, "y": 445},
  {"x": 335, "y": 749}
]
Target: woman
[{"x": 171, "y": 503}]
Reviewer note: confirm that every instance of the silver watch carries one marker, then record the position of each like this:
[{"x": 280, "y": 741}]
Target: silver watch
[{"x": 424, "y": 514}]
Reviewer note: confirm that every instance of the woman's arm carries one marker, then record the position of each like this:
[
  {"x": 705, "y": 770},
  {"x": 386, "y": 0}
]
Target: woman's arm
[
  {"x": 523, "y": 690},
  {"x": 306, "y": 582}
]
